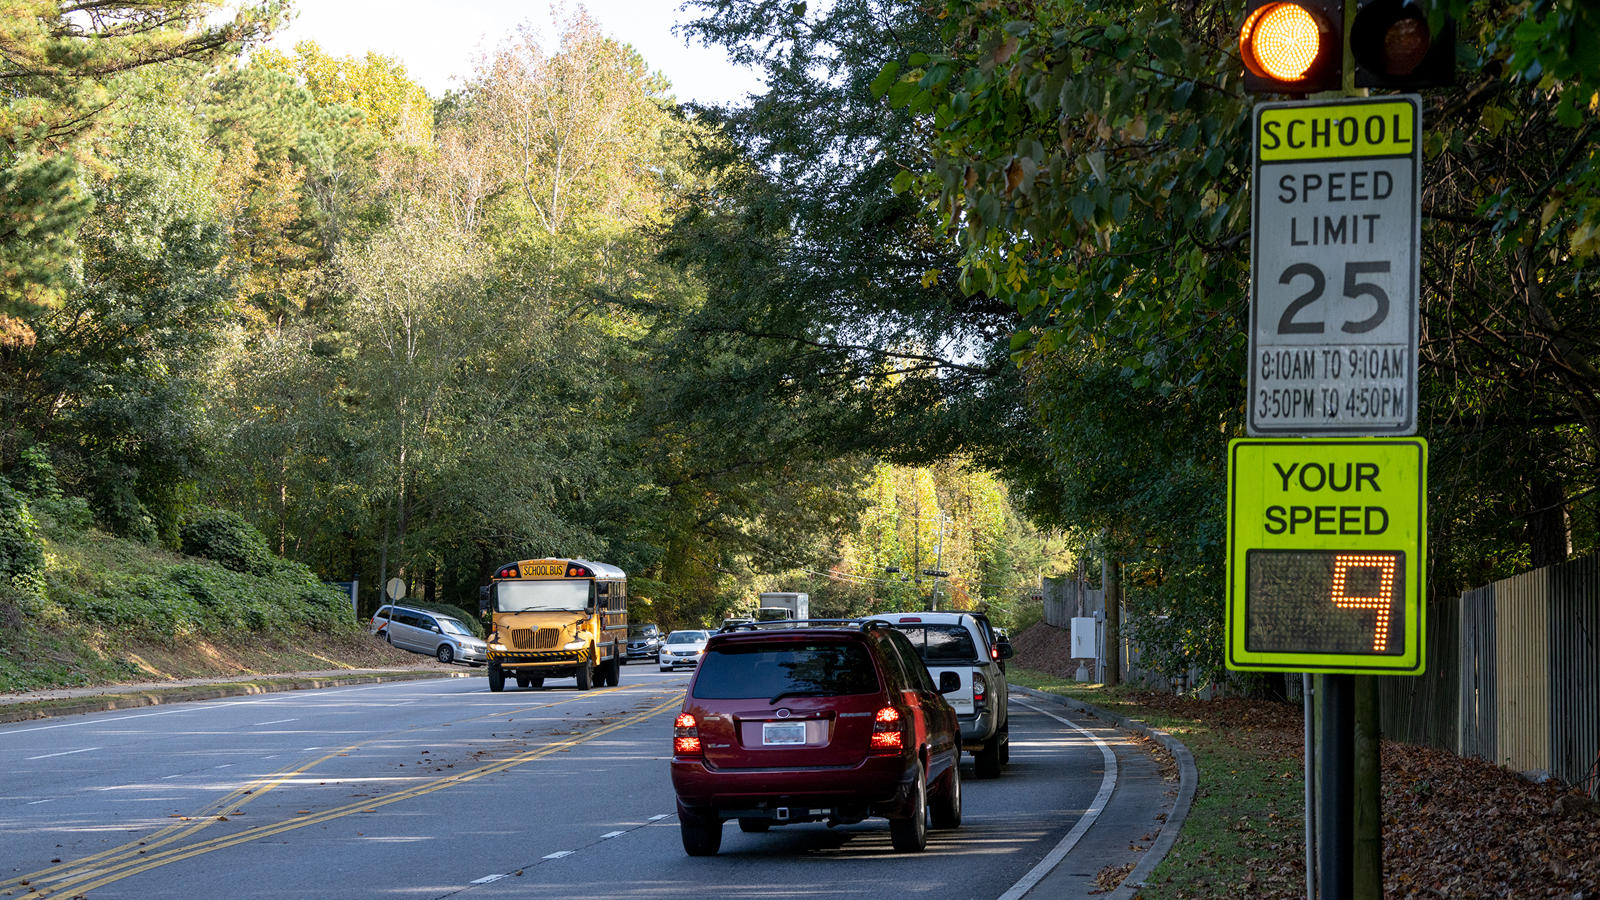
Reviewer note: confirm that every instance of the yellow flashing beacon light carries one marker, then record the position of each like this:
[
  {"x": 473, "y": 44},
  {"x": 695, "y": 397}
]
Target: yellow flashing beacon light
[{"x": 1292, "y": 47}]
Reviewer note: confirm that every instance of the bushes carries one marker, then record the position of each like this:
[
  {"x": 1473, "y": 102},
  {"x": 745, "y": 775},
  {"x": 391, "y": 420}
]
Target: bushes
[
  {"x": 225, "y": 537},
  {"x": 212, "y": 603},
  {"x": 21, "y": 552}
]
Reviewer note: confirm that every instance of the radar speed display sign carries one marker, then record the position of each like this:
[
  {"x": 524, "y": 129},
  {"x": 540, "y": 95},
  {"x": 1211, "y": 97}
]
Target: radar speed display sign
[
  {"x": 1334, "y": 319},
  {"x": 1327, "y": 545}
]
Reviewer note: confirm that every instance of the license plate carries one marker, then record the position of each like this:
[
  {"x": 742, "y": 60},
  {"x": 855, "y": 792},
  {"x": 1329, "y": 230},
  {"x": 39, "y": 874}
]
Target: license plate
[{"x": 779, "y": 733}]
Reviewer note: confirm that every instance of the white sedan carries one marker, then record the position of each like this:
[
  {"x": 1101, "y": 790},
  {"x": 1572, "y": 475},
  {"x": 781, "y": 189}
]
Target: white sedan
[{"x": 682, "y": 648}]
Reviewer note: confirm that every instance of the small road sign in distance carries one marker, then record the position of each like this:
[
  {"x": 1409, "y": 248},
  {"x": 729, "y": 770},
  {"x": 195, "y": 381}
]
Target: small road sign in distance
[
  {"x": 1334, "y": 275},
  {"x": 1327, "y": 542}
]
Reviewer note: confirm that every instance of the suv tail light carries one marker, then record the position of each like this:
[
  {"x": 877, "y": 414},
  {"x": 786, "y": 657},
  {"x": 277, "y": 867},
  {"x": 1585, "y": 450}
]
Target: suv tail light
[
  {"x": 886, "y": 734},
  {"x": 979, "y": 688},
  {"x": 686, "y": 736}
]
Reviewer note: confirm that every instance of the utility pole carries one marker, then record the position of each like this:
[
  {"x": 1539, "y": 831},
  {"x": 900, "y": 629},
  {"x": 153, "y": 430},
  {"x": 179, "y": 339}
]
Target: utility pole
[{"x": 1111, "y": 583}]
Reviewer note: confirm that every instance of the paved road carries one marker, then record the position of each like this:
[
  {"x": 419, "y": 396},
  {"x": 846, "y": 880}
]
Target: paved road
[{"x": 433, "y": 789}]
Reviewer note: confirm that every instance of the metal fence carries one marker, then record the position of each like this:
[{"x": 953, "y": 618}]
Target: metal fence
[{"x": 1513, "y": 675}]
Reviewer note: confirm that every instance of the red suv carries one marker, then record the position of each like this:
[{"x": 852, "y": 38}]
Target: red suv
[{"x": 815, "y": 722}]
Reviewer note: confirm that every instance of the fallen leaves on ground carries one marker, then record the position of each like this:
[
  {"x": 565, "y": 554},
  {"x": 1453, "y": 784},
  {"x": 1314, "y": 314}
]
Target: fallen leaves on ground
[{"x": 1453, "y": 828}]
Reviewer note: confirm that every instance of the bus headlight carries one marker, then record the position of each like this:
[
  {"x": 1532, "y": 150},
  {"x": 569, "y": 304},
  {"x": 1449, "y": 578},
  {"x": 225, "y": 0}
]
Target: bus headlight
[{"x": 575, "y": 645}]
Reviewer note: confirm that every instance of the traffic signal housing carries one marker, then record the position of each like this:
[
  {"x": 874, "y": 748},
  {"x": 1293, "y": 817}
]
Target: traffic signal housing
[
  {"x": 1292, "y": 46},
  {"x": 1396, "y": 45}
]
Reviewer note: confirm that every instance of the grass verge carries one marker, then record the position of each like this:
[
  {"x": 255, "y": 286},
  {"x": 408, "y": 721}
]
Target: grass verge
[{"x": 1244, "y": 836}]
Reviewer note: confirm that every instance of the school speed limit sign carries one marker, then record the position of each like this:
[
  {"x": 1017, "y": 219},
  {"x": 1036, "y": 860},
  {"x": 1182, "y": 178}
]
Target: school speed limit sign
[{"x": 1334, "y": 275}]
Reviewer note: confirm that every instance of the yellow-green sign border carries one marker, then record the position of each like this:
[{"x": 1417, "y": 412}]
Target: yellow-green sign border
[{"x": 1412, "y": 661}]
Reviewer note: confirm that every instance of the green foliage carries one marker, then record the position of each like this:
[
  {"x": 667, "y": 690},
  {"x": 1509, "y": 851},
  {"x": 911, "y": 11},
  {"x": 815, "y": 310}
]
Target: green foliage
[
  {"x": 193, "y": 600},
  {"x": 225, "y": 537},
  {"x": 21, "y": 553},
  {"x": 58, "y": 64}
]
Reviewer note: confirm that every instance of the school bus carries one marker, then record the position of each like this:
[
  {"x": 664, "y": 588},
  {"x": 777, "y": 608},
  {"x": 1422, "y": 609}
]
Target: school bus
[{"x": 556, "y": 618}]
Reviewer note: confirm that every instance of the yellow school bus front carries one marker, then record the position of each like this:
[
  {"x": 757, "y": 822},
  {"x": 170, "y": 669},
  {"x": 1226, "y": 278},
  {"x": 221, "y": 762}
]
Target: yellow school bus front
[{"x": 557, "y": 618}]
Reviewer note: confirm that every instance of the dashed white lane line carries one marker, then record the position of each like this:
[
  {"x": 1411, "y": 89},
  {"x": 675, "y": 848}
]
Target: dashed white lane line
[
  {"x": 64, "y": 753},
  {"x": 561, "y": 854}
]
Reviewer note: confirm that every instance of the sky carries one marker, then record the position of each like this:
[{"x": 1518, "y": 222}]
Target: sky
[{"x": 438, "y": 40}]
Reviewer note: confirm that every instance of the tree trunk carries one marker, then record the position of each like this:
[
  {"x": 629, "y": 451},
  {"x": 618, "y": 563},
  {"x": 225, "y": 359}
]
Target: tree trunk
[{"x": 1547, "y": 523}]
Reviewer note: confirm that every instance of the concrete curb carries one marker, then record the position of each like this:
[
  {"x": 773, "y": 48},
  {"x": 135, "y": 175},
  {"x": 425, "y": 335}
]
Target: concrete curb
[
  {"x": 112, "y": 699},
  {"x": 1188, "y": 777}
]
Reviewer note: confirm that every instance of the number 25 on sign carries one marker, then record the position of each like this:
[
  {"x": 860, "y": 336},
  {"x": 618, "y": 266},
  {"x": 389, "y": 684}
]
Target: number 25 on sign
[{"x": 1326, "y": 555}]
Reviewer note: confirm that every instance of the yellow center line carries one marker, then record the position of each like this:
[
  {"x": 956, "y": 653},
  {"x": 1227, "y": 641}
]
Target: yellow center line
[
  {"x": 99, "y": 877},
  {"x": 240, "y": 796}
]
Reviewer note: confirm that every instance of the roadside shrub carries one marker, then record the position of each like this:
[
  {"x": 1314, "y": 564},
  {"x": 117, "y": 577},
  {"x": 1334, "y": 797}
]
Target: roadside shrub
[
  {"x": 226, "y": 538},
  {"x": 21, "y": 551},
  {"x": 35, "y": 477},
  {"x": 200, "y": 600}
]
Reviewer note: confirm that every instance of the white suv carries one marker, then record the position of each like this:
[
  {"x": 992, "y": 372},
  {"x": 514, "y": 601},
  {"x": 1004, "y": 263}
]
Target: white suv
[{"x": 961, "y": 643}]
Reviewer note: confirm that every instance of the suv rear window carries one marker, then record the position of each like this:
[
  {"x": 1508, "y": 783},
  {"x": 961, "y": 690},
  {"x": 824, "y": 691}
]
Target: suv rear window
[
  {"x": 941, "y": 643},
  {"x": 793, "y": 668}
]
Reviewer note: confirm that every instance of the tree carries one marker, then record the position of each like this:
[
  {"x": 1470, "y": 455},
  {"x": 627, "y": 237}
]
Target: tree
[
  {"x": 1089, "y": 160},
  {"x": 58, "y": 61},
  {"x": 114, "y": 383},
  {"x": 391, "y": 104}
]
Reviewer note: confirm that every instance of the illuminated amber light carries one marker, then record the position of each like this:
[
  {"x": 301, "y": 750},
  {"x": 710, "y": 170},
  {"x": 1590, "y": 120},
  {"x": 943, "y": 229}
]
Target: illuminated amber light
[
  {"x": 1281, "y": 41},
  {"x": 1385, "y": 565}
]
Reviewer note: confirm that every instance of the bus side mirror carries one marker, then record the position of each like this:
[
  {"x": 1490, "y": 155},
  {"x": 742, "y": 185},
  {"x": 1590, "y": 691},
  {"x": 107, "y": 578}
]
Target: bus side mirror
[{"x": 485, "y": 595}]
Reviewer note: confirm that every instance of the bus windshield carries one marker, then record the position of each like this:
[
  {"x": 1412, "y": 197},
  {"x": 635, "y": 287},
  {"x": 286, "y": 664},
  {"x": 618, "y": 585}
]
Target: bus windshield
[{"x": 535, "y": 596}]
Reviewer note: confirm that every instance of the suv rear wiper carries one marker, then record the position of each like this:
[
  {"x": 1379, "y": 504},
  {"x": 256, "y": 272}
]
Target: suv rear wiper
[{"x": 811, "y": 693}]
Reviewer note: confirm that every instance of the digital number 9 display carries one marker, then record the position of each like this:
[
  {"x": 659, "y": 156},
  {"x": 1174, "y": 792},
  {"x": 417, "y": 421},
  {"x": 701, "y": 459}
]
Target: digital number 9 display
[{"x": 1325, "y": 601}]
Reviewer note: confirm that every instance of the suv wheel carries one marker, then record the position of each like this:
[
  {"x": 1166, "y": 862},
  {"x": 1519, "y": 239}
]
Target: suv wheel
[
  {"x": 910, "y": 834},
  {"x": 445, "y": 654},
  {"x": 987, "y": 760},
  {"x": 701, "y": 836},
  {"x": 946, "y": 807}
]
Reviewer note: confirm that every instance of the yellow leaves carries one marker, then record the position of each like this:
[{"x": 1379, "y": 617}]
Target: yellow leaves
[{"x": 1585, "y": 240}]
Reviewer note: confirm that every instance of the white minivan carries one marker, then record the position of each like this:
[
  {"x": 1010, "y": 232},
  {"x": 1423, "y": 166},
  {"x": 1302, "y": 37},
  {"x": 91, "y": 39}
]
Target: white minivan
[{"x": 960, "y": 642}]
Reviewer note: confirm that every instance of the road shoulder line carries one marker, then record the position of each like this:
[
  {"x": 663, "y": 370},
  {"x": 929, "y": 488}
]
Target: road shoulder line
[{"x": 1188, "y": 777}]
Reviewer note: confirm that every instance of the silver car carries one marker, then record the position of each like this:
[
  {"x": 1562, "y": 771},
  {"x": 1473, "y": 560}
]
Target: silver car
[{"x": 446, "y": 639}]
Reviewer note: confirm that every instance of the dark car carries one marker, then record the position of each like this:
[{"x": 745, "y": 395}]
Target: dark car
[
  {"x": 644, "y": 642},
  {"x": 815, "y": 722}
]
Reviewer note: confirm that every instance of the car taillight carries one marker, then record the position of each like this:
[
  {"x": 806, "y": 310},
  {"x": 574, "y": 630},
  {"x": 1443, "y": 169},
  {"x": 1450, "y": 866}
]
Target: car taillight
[
  {"x": 886, "y": 734},
  {"x": 979, "y": 688},
  {"x": 685, "y": 736}
]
